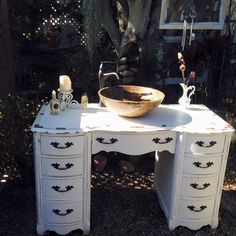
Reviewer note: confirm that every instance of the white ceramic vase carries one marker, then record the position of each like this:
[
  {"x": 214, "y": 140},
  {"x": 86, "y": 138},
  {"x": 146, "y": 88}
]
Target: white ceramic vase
[{"x": 188, "y": 91}]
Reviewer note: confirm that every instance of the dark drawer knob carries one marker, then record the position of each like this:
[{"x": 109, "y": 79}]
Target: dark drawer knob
[
  {"x": 196, "y": 186},
  {"x": 59, "y": 213},
  {"x": 57, "y": 145},
  {"x": 204, "y": 145},
  {"x": 165, "y": 141},
  {"x": 58, "y": 188},
  {"x": 200, "y": 165},
  {"x": 102, "y": 140},
  {"x": 57, "y": 166},
  {"x": 193, "y": 208}
]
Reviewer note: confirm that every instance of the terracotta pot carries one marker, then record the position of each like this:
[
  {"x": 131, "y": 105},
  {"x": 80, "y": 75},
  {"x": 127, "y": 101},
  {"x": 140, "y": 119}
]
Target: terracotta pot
[{"x": 100, "y": 162}]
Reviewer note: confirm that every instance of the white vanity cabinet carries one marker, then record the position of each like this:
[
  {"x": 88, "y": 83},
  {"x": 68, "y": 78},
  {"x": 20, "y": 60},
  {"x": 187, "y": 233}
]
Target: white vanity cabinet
[
  {"x": 193, "y": 195},
  {"x": 191, "y": 145},
  {"x": 200, "y": 180},
  {"x": 62, "y": 179}
]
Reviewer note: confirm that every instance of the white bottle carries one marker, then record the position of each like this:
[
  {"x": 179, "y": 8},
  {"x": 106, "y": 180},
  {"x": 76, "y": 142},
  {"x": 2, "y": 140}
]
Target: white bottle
[{"x": 54, "y": 104}]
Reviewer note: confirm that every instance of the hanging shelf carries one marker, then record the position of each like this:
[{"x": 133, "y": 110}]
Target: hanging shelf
[{"x": 172, "y": 10}]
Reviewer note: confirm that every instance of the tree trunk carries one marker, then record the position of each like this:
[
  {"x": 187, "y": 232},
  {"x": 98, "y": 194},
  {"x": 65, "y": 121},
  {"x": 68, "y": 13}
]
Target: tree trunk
[{"x": 131, "y": 49}]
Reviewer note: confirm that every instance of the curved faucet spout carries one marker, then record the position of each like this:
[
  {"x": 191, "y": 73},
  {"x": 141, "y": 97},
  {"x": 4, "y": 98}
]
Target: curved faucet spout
[
  {"x": 102, "y": 77},
  {"x": 106, "y": 75}
]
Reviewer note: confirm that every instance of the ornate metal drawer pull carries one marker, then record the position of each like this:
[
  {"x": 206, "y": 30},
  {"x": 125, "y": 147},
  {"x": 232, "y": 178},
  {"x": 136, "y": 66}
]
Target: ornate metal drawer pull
[
  {"x": 158, "y": 140},
  {"x": 201, "y": 144},
  {"x": 56, "y": 145},
  {"x": 192, "y": 208},
  {"x": 57, "y": 166},
  {"x": 57, "y": 188},
  {"x": 199, "y": 164},
  {"x": 58, "y": 212},
  {"x": 112, "y": 140},
  {"x": 195, "y": 186}
]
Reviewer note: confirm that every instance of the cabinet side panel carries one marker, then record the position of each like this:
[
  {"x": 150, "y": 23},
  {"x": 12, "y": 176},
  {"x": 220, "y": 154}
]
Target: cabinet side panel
[
  {"x": 37, "y": 170},
  {"x": 222, "y": 174},
  {"x": 163, "y": 177},
  {"x": 87, "y": 183}
]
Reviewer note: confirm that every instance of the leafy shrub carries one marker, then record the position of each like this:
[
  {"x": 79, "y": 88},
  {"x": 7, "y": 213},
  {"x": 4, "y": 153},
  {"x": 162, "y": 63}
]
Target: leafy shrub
[{"x": 16, "y": 152}]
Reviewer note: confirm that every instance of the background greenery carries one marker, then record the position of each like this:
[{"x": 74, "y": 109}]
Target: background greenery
[{"x": 49, "y": 38}]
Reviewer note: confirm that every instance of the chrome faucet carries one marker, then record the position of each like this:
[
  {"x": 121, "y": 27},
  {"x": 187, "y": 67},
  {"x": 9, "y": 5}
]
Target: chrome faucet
[{"x": 102, "y": 77}]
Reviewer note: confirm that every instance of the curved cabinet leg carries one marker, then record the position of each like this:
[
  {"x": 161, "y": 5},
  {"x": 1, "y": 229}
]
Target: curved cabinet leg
[
  {"x": 86, "y": 229},
  {"x": 40, "y": 230},
  {"x": 215, "y": 222},
  {"x": 172, "y": 224}
]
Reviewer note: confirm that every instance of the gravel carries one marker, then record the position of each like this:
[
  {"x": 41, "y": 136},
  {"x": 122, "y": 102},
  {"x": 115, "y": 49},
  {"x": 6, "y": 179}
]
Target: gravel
[{"x": 122, "y": 204}]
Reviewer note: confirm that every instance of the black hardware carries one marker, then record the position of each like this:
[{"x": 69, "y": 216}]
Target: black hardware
[
  {"x": 56, "y": 145},
  {"x": 112, "y": 140},
  {"x": 201, "y": 144},
  {"x": 192, "y": 208},
  {"x": 195, "y": 185},
  {"x": 57, "y": 166},
  {"x": 158, "y": 140},
  {"x": 38, "y": 126},
  {"x": 199, "y": 164},
  {"x": 67, "y": 212},
  {"x": 57, "y": 188}
]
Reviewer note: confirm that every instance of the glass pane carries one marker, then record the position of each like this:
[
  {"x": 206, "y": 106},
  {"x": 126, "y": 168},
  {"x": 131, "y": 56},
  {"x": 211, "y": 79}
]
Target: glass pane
[{"x": 206, "y": 10}]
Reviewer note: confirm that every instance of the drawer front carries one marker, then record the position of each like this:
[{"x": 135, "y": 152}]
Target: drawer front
[
  {"x": 62, "y": 189},
  {"x": 204, "y": 143},
  {"x": 62, "y": 213},
  {"x": 198, "y": 186},
  {"x": 195, "y": 209},
  {"x": 202, "y": 164},
  {"x": 61, "y": 145},
  {"x": 62, "y": 166},
  {"x": 133, "y": 144}
]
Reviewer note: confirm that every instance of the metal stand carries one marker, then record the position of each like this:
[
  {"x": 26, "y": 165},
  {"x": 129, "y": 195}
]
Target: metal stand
[{"x": 66, "y": 100}]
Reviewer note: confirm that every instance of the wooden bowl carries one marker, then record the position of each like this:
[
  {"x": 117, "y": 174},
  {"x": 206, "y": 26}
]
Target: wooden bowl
[{"x": 130, "y": 100}]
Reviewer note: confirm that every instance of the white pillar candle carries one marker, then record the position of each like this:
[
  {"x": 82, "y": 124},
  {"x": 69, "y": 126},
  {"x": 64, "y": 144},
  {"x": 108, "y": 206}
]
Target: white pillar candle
[{"x": 65, "y": 83}]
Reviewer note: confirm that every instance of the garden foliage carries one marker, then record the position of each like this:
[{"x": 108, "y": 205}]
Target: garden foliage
[{"x": 16, "y": 152}]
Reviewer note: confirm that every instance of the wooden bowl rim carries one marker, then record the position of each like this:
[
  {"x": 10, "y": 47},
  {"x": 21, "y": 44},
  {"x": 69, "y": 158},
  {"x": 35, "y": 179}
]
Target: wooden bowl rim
[{"x": 130, "y": 101}]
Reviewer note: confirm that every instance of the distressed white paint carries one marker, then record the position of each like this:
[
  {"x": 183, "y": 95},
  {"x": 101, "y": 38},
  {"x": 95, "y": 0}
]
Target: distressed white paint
[{"x": 181, "y": 137}]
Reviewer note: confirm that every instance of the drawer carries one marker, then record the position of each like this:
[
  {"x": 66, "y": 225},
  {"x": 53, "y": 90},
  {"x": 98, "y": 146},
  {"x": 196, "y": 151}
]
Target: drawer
[
  {"x": 62, "y": 213},
  {"x": 62, "y": 188},
  {"x": 198, "y": 186},
  {"x": 202, "y": 164},
  {"x": 62, "y": 166},
  {"x": 195, "y": 209},
  {"x": 133, "y": 144},
  {"x": 204, "y": 143},
  {"x": 61, "y": 145}
]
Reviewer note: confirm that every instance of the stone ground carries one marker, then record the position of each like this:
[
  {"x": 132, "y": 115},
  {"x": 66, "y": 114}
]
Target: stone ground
[{"x": 122, "y": 204}]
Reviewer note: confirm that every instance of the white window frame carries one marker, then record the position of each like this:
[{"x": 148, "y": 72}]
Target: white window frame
[{"x": 214, "y": 25}]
